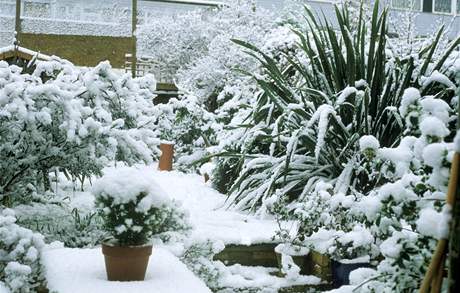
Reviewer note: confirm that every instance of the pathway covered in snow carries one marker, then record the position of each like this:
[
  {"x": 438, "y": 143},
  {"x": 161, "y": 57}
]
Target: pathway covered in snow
[{"x": 208, "y": 216}]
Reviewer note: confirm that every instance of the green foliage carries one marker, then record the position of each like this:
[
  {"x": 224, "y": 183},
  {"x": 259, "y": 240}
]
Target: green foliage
[
  {"x": 127, "y": 225},
  {"x": 343, "y": 84},
  {"x": 59, "y": 222}
]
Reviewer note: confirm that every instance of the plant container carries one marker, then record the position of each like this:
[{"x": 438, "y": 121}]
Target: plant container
[
  {"x": 166, "y": 158},
  {"x": 126, "y": 263},
  {"x": 341, "y": 272}
]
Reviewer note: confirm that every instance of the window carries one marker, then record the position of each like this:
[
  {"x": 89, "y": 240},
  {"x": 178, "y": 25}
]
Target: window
[
  {"x": 37, "y": 9},
  {"x": 407, "y": 4},
  {"x": 458, "y": 7},
  {"x": 443, "y": 6}
]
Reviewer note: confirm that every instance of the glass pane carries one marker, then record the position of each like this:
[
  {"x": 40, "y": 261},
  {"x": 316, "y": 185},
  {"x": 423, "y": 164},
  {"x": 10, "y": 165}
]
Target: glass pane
[
  {"x": 406, "y": 4},
  {"x": 458, "y": 7},
  {"x": 37, "y": 9},
  {"x": 443, "y": 6}
]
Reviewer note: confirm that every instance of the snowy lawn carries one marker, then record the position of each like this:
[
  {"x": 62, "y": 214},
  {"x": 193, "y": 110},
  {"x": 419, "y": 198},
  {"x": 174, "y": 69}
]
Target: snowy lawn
[{"x": 70, "y": 270}]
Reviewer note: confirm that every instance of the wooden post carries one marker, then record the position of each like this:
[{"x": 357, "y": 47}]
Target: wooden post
[
  {"x": 166, "y": 158},
  {"x": 454, "y": 240},
  {"x": 134, "y": 40},
  {"x": 17, "y": 21}
]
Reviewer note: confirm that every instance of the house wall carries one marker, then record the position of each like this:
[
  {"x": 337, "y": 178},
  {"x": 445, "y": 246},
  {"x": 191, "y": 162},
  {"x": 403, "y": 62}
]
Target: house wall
[{"x": 424, "y": 23}]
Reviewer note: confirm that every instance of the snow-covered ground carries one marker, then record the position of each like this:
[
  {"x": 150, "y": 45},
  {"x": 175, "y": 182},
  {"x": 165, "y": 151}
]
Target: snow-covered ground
[
  {"x": 210, "y": 221},
  {"x": 208, "y": 216},
  {"x": 71, "y": 270}
]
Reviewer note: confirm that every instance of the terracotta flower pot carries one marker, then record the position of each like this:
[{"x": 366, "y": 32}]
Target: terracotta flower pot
[
  {"x": 166, "y": 158},
  {"x": 126, "y": 263}
]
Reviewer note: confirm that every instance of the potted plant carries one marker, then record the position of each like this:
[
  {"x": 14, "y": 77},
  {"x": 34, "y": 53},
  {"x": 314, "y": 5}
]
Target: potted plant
[
  {"x": 130, "y": 204},
  {"x": 350, "y": 251}
]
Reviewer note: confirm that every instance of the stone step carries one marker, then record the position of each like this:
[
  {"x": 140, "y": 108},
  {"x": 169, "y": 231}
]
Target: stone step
[{"x": 249, "y": 255}]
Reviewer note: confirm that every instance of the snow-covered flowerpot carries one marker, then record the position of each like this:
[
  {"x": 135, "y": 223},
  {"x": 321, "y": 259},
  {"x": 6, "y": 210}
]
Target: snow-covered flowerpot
[
  {"x": 341, "y": 270},
  {"x": 131, "y": 205},
  {"x": 298, "y": 254}
]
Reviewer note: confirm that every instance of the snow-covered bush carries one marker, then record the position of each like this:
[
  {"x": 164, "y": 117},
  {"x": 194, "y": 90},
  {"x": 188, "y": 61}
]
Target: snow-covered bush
[
  {"x": 199, "y": 258},
  {"x": 57, "y": 221},
  {"x": 408, "y": 214},
  {"x": 71, "y": 119},
  {"x": 192, "y": 129},
  {"x": 198, "y": 45},
  {"x": 134, "y": 207},
  {"x": 20, "y": 252},
  {"x": 311, "y": 112}
]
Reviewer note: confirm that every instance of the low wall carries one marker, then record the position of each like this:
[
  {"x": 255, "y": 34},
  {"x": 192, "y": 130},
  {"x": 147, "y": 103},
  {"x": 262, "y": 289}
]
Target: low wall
[{"x": 80, "y": 50}]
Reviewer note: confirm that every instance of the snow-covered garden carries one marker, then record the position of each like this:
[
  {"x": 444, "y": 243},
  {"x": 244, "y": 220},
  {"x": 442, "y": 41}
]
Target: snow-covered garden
[{"x": 310, "y": 154}]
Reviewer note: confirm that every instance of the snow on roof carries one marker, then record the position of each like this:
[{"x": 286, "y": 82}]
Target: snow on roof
[{"x": 10, "y": 51}]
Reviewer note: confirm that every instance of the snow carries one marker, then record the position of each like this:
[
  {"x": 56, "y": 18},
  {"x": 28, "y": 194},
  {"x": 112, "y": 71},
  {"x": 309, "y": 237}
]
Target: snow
[
  {"x": 348, "y": 91},
  {"x": 238, "y": 276},
  {"x": 436, "y": 107},
  {"x": 26, "y": 51},
  {"x": 3, "y": 288},
  {"x": 360, "y": 275},
  {"x": 359, "y": 236},
  {"x": 434, "y": 154},
  {"x": 284, "y": 248},
  {"x": 438, "y": 77},
  {"x": 368, "y": 142},
  {"x": 208, "y": 217},
  {"x": 125, "y": 184},
  {"x": 410, "y": 97},
  {"x": 70, "y": 270},
  {"x": 433, "y": 223},
  {"x": 432, "y": 126}
]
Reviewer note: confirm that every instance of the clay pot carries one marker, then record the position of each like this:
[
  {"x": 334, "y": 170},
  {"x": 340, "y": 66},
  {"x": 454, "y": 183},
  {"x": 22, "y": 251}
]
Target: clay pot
[
  {"x": 166, "y": 158},
  {"x": 126, "y": 263}
]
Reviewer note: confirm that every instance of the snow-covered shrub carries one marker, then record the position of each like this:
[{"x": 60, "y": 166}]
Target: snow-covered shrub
[
  {"x": 198, "y": 257},
  {"x": 20, "y": 252},
  {"x": 57, "y": 221},
  {"x": 192, "y": 129},
  {"x": 134, "y": 207},
  {"x": 408, "y": 214},
  {"x": 74, "y": 120},
  {"x": 311, "y": 112},
  {"x": 198, "y": 45}
]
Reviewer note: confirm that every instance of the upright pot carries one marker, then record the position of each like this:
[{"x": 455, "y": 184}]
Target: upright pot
[
  {"x": 126, "y": 263},
  {"x": 341, "y": 272}
]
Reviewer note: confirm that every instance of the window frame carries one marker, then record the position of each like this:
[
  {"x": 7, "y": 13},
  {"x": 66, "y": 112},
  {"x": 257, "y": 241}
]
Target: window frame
[
  {"x": 420, "y": 9},
  {"x": 453, "y": 8}
]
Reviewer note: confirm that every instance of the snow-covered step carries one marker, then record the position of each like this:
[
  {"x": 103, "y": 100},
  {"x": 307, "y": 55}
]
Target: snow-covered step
[
  {"x": 249, "y": 255},
  {"x": 72, "y": 270}
]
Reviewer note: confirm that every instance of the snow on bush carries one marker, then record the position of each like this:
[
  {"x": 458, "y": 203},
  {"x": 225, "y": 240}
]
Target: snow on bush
[
  {"x": 57, "y": 220},
  {"x": 20, "y": 252},
  {"x": 134, "y": 207},
  {"x": 355, "y": 150},
  {"x": 74, "y": 120}
]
